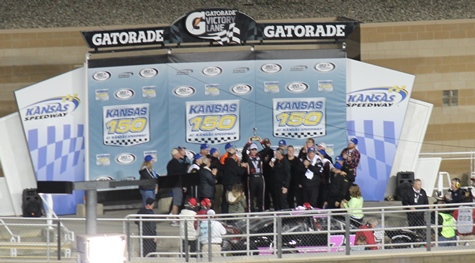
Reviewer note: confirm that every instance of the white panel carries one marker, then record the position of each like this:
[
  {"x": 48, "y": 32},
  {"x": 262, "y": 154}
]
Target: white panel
[
  {"x": 6, "y": 206},
  {"x": 410, "y": 142},
  {"x": 15, "y": 159},
  {"x": 427, "y": 169}
]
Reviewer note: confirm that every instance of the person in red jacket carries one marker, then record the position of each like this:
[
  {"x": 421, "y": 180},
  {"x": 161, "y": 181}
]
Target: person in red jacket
[
  {"x": 465, "y": 216},
  {"x": 368, "y": 232}
]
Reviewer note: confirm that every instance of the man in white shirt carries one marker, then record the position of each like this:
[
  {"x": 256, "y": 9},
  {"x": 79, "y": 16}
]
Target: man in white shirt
[{"x": 217, "y": 231}]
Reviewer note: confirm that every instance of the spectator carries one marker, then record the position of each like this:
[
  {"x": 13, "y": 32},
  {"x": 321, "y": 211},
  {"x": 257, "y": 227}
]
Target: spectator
[
  {"x": 472, "y": 189},
  {"x": 465, "y": 217},
  {"x": 195, "y": 169},
  {"x": 355, "y": 204},
  {"x": 147, "y": 228},
  {"x": 207, "y": 180},
  {"x": 218, "y": 187},
  {"x": 368, "y": 232},
  {"x": 232, "y": 175},
  {"x": 236, "y": 199},
  {"x": 267, "y": 154},
  {"x": 217, "y": 231},
  {"x": 283, "y": 145},
  {"x": 228, "y": 148},
  {"x": 303, "y": 152},
  {"x": 255, "y": 178},
  {"x": 188, "y": 217},
  {"x": 146, "y": 172},
  {"x": 294, "y": 195},
  {"x": 313, "y": 169},
  {"x": 184, "y": 157},
  {"x": 204, "y": 150},
  {"x": 455, "y": 193},
  {"x": 352, "y": 157},
  {"x": 360, "y": 243},
  {"x": 446, "y": 226},
  {"x": 323, "y": 147},
  {"x": 176, "y": 167},
  {"x": 281, "y": 168},
  {"x": 415, "y": 197},
  {"x": 328, "y": 171}
]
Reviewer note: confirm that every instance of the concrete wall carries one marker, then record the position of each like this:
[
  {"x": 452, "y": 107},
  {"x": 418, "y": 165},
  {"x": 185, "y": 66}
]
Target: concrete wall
[{"x": 439, "y": 53}]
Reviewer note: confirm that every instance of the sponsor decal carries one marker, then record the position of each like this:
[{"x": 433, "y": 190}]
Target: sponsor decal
[
  {"x": 124, "y": 94},
  {"x": 149, "y": 92},
  {"x": 274, "y": 31},
  {"x": 148, "y": 72},
  {"x": 184, "y": 91},
  {"x": 325, "y": 85},
  {"x": 377, "y": 97},
  {"x": 241, "y": 70},
  {"x": 125, "y": 158},
  {"x": 125, "y": 75},
  {"x": 102, "y": 95},
  {"x": 101, "y": 76},
  {"x": 184, "y": 72},
  {"x": 126, "y": 125},
  {"x": 298, "y": 68},
  {"x": 124, "y": 37},
  {"x": 214, "y": 24},
  {"x": 271, "y": 68},
  {"x": 56, "y": 107},
  {"x": 241, "y": 89},
  {"x": 271, "y": 87},
  {"x": 297, "y": 87},
  {"x": 211, "y": 89},
  {"x": 212, "y": 71},
  {"x": 325, "y": 67},
  {"x": 104, "y": 178},
  {"x": 152, "y": 153},
  {"x": 103, "y": 159}
]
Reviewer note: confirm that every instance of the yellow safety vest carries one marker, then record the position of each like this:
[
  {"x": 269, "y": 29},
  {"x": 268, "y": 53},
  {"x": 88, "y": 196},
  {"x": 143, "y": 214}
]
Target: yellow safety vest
[{"x": 448, "y": 227}]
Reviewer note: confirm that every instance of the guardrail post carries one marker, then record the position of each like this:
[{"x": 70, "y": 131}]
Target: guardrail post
[
  {"x": 59, "y": 239},
  {"x": 187, "y": 255},
  {"x": 209, "y": 240},
  {"x": 129, "y": 243},
  {"x": 428, "y": 232},
  {"x": 347, "y": 234},
  {"x": 279, "y": 237}
]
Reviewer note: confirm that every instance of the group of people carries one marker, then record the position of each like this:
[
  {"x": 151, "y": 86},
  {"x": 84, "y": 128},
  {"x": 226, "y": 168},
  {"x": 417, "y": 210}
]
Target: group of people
[
  {"x": 454, "y": 220},
  {"x": 263, "y": 178}
]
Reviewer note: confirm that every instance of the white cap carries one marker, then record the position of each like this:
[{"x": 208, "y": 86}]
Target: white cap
[
  {"x": 323, "y": 145},
  {"x": 253, "y": 146},
  {"x": 211, "y": 212}
]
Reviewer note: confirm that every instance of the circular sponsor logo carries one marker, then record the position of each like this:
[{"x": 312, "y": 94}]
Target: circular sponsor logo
[
  {"x": 101, "y": 76},
  {"x": 297, "y": 87},
  {"x": 125, "y": 158},
  {"x": 271, "y": 68},
  {"x": 241, "y": 89},
  {"x": 124, "y": 94},
  {"x": 184, "y": 91},
  {"x": 148, "y": 72},
  {"x": 325, "y": 67},
  {"x": 212, "y": 71}
]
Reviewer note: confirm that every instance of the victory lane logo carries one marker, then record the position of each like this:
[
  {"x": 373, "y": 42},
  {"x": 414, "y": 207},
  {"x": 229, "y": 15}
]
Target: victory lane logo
[{"x": 214, "y": 24}]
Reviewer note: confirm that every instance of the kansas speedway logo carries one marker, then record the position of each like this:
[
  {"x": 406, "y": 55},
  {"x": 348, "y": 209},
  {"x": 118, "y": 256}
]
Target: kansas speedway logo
[
  {"x": 214, "y": 24},
  {"x": 377, "y": 97}
]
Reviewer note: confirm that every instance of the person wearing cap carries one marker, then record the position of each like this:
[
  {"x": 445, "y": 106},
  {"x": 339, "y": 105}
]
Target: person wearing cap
[
  {"x": 233, "y": 173},
  {"x": 184, "y": 157},
  {"x": 255, "y": 177},
  {"x": 312, "y": 168},
  {"x": 218, "y": 187},
  {"x": 214, "y": 229},
  {"x": 322, "y": 147},
  {"x": 283, "y": 145},
  {"x": 207, "y": 180},
  {"x": 294, "y": 195},
  {"x": 281, "y": 168},
  {"x": 177, "y": 166},
  {"x": 352, "y": 157},
  {"x": 337, "y": 187},
  {"x": 147, "y": 228},
  {"x": 310, "y": 142},
  {"x": 204, "y": 150},
  {"x": 146, "y": 173},
  {"x": 188, "y": 220},
  {"x": 227, "y": 148},
  {"x": 266, "y": 154}
]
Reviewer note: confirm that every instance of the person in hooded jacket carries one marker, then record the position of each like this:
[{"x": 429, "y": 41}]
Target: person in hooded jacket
[{"x": 236, "y": 199}]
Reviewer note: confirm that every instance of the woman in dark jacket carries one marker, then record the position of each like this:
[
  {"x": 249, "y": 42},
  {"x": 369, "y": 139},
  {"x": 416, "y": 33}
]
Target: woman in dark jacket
[
  {"x": 146, "y": 172},
  {"x": 207, "y": 181}
]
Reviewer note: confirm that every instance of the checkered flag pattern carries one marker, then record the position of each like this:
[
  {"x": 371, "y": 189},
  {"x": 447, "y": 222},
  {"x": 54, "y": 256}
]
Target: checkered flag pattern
[
  {"x": 227, "y": 36},
  {"x": 298, "y": 135},
  {"x": 125, "y": 142},
  {"x": 215, "y": 140},
  {"x": 55, "y": 149}
]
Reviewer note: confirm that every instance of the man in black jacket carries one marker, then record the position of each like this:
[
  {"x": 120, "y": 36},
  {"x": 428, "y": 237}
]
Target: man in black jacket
[
  {"x": 294, "y": 194},
  {"x": 147, "y": 228},
  {"x": 218, "y": 187},
  {"x": 416, "y": 196},
  {"x": 313, "y": 169},
  {"x": 255, "y": 177},
  {"x": 266, "y": 155},
  {"x": 281, "y": 168},
  {"x": 177, "y": 166},
  {"x": 232, "y": 174},
  {"x": 338, "y": 187}
]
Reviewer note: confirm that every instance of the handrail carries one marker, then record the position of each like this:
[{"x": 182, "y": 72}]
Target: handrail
[
  {"x": 13, "y": 237},
  {"x": 68, "y": 235}
]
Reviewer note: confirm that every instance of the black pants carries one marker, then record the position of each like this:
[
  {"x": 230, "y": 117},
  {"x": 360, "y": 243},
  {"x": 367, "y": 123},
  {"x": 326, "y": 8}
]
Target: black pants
[
  {"x": 148, "y": 246},
  {"x": 192, "y": 245},
  {"x": 280, "y": 201},
  {"x": 310, "y": 192},
  {"x": 224, "y": 202},
  {"x": 268, "y": 194},
  {"x": 255, "y": 189}
]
